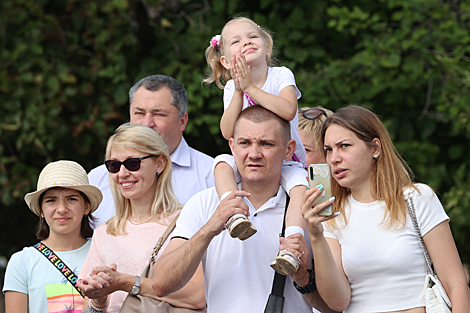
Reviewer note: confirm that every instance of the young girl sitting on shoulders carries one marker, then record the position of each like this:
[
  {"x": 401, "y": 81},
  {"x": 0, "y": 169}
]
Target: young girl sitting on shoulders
[{"x": 242, "y": 57}]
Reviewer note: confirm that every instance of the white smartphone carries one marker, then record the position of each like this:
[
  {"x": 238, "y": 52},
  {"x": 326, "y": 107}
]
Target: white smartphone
[{"x": 321, "y": 174}]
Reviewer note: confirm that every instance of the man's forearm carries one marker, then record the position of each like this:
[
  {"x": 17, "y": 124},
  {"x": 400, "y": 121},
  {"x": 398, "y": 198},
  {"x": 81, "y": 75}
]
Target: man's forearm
[
  {"x": 181, "y": 258},
  {"x": 179, "y": 262}
]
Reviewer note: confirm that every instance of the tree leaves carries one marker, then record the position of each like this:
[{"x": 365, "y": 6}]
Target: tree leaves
[{"x": 66, "y": 67}]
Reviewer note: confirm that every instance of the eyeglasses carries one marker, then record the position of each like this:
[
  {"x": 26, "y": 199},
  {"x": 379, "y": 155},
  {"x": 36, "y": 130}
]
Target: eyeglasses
[
  {"x": 131, "y": 164},
  {"x": 312, "y": 113}
]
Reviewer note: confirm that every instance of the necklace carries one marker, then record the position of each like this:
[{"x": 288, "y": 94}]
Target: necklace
[{"x": 135, "y": 223}]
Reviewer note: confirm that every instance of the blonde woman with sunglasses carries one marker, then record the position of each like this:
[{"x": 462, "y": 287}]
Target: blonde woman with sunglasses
[{"x": 140, "y": 178}]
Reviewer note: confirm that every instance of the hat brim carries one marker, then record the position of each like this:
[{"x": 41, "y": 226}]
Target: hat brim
[{"x": 93, "y": 194}]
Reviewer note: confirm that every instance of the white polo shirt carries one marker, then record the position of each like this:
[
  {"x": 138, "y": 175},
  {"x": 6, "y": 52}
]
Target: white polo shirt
[
  {"x": 237, "y": 274},
  {"x": 192, "y": 172}
]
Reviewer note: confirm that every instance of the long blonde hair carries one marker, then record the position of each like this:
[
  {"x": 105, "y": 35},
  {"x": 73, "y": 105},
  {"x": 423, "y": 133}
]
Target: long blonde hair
[
  {"x": 391, "y": 173},
  {"x": 218, "y": 72},
  {"x": 146, "y": 140}
]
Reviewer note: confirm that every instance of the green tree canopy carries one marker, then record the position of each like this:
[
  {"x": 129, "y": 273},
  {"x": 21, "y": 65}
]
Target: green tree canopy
[{"x": 66, "y": 67}]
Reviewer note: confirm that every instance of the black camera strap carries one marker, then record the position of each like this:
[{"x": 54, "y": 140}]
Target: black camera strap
[{"x": 275, "y": 302}]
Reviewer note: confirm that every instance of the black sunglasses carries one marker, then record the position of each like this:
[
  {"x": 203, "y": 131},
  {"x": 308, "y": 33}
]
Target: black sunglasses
[
  {"x": 312, "y": 113},
  {"x": 132, "y": 164}
]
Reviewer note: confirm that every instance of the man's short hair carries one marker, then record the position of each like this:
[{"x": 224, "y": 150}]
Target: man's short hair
[
  {"x": 258, "y": 114},
  {"x": 156, "y": 82}
]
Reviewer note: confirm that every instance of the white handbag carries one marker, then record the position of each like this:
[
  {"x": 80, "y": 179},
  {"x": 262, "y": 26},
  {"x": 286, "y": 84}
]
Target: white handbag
[{"x": 435, "y": 296}]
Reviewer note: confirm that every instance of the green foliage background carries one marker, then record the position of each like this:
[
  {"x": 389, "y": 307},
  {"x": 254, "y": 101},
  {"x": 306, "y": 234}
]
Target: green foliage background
[{"x": 66, "y": 67}]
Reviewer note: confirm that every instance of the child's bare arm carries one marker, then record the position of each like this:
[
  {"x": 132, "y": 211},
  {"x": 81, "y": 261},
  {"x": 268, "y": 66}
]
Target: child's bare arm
[
  {"x": 294, "y": 214},
  {"x": 230, "y": 115},
  {"x": 284, "y": 105},
  {"x": 224, "y": 179}
]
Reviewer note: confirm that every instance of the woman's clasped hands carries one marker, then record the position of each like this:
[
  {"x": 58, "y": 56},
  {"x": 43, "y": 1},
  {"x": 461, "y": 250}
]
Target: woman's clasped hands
[{"x": 100, "y": 283}]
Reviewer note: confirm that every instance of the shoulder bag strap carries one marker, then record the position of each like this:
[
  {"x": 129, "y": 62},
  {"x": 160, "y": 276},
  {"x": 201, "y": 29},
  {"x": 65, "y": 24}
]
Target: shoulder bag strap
[
  {"x": 279, "y": 280},
  {"x": 163, "y": 238},
  {"x": 424, "y": 251},
  {"x": 60, "y": 265}
]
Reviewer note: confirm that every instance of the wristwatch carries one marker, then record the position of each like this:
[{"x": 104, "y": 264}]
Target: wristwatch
[
  {"x": 311, "y": 287},
  {"x": 136, "y": 288}
]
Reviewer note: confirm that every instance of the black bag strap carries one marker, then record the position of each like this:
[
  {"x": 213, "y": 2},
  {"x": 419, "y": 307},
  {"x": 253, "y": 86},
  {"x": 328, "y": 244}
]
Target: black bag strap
[
  {"x": 60, "y": 265},
  {"x": 279, "y": 280}
]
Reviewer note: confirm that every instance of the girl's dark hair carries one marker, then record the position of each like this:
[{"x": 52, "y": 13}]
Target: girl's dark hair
[{"x": 85, "y": 230}]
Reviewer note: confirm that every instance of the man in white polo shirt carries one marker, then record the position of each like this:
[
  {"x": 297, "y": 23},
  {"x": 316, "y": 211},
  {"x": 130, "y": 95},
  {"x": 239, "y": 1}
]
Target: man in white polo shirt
[
  {"x": 237, "y": 274},
  {"x": 160, "y": 102}
]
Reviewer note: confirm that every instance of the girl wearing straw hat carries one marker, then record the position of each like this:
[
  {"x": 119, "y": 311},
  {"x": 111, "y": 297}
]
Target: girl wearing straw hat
[
  {"x": 140, "y": 179},
  {"x": 43, "y": 278}
]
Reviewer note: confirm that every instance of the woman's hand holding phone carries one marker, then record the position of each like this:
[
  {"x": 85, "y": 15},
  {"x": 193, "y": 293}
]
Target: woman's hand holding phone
[
  {"x": 319, "y": 176},
  {"x": 310, "y": 210}
]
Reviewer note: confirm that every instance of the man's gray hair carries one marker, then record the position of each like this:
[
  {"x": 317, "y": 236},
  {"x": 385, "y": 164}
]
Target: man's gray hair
[{"x": 156, "y": 82}]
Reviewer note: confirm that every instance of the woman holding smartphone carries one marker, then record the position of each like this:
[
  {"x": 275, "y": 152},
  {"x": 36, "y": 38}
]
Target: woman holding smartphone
[
  {"x": 140, "y": 171},
  {"x": 367, "y": 255}
]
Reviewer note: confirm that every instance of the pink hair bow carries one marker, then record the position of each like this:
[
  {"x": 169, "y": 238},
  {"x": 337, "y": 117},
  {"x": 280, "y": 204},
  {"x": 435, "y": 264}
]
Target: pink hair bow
[{"x": 215, "y": 41}]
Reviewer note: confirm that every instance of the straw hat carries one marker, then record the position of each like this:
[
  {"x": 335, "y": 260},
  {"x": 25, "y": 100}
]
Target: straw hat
[{"x": 66, "y": 174}]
